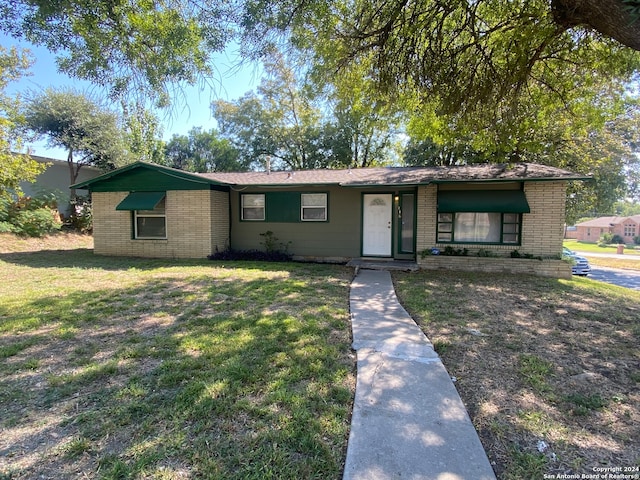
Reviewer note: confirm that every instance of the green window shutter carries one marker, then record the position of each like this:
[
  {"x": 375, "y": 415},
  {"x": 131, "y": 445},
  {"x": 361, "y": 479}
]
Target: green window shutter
[
  {"x": 141, "y": 201},
  {"x": 497, "y": 201},
  {"x": 283, "y": 206}
]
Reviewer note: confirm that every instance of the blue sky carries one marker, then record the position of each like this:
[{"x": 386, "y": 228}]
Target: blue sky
[{"x": 192, "y": 111}]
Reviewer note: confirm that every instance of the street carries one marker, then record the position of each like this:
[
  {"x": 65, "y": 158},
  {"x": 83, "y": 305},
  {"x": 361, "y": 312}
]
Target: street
[{"x": 616, "y": 276}]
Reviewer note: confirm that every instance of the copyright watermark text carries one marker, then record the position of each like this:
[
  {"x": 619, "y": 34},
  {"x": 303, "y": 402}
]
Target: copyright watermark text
[{"x": 599, "y": 473}]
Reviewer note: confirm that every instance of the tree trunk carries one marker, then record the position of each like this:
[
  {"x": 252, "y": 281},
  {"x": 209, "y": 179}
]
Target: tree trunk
[
  {"x": 611, "y": 18},
  {"x": 73, "y": 177}
]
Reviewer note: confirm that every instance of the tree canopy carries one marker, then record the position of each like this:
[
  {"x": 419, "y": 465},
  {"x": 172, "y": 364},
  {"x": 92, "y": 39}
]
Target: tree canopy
[
  {"x": 468, "y": 54},
  {"x": 202, "y": 151},
  {"x": 71, "y": 120},
  {"x": 300, "y": 126},
  {"x": 142, "y": 133},
  {"x": 490, "y": 80},
  {"x": 139, "y": 47},
  {"x": 14, "y": 167}
]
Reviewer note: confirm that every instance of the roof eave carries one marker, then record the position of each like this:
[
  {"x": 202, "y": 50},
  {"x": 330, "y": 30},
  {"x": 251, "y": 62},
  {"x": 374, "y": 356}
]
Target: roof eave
[
  {"x": 280, "y": 185},
  {"x": 193, "y": 177}
]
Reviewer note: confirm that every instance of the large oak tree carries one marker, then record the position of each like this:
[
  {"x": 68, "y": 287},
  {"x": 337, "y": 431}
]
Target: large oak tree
[{"x": 467, "y": 53}]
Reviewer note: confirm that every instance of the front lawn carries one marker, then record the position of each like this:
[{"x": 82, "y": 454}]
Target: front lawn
[
  {"x": 595, "y": 248},
  {"x": 132, "y": 368},
  {"x": 121, "y": 368},
  {"x": 549, "y": 370}
]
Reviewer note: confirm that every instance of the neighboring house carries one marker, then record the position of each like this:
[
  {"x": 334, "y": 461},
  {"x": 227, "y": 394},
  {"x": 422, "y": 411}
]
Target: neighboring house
[
  {"x": 56, "y": 179},
  {"x": 570, "y": 232},
  {"x": 334, "y": 215},
  {"x": 591, "y": 231}
]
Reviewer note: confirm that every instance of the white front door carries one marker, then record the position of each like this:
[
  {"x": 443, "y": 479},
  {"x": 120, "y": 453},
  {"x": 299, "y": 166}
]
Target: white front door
[{"x": 376, "y": 224}]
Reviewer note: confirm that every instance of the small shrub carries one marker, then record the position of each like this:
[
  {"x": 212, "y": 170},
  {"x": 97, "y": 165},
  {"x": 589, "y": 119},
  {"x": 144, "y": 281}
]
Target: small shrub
[
  {"x": 528, "y": 256},
  {"x": 610, "y": 238},
  {"x": 30, "y": 216},
  {"x": 272, "y": 244},
  {"x": 37, "y": 223},
  {"x": 617, "y": 239},
  {"x": 605, "y": 239},
  {"x": 636, "y": 239},
  {"x": 82, "y": 215},
  {"x": 427, "y": 252},
  {"x": 6, "y": 227},
  {"x": 486, "y": 253},
  {"x": 455, "y": 252}
]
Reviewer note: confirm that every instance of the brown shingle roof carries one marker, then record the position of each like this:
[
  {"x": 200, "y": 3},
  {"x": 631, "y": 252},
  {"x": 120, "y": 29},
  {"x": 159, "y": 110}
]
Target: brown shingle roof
[
  {"x": 604, "y": 222},
  {"x": 398, "y": 175}
]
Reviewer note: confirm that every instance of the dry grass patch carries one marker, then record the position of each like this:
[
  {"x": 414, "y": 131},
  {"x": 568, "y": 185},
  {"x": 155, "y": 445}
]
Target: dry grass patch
[
  {"x": 623, "y": 263},
  {"x": 548, "y": 369},
  {"x": 63, "y": 241}
]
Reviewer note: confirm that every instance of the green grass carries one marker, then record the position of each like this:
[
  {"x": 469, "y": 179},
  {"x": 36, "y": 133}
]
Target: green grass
[
  {"x": 584, "y": 404},
  {"x": 134, "y": 368},
  {"x": 594, "y": 247},
  {"x": 535, "y": 372},
  {"x": 525, "y": 465}
]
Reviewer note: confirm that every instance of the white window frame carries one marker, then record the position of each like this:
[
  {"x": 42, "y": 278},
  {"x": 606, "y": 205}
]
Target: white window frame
[
  {"x": 304, "y": 207},
  {"x": 243, "y": 206},
  {"x": 629, "y": 230},
  {"x": 159, "y": 212}
]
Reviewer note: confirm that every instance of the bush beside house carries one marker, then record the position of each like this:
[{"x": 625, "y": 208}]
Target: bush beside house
[{"x": 30, "y": 216}]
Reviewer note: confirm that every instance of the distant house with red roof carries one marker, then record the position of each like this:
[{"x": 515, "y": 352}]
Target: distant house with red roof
[{"x": 591, "y": 231}]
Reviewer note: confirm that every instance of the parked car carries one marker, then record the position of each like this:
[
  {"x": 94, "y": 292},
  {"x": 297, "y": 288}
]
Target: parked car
[{"x": 580, "y": 265}]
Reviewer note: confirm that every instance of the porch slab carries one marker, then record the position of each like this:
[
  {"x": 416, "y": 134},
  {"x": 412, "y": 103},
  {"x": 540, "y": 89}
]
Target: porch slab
[{"x": 383, "y": 264}]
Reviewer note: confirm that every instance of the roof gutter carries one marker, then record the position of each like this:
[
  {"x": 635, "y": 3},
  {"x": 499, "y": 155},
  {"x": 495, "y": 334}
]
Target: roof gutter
[
  {"x": 511, "y": 180},
  {"x": 386, "y": 185}
]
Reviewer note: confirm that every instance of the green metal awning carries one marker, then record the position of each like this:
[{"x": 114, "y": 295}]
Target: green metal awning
[
  {"x": 141, "y": 201},
  {"x": 503, "y": 201}
]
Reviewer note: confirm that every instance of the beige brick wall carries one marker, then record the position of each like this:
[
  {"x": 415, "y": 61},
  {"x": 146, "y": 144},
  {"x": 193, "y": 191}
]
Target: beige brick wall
[
  {"x": 542, "y": 229},
  {"x": 189, "y": 226},
  {"x": 543, "y": 268},
  {"x": 219, "y": 221},
  {"x": 427, "y": 202}
]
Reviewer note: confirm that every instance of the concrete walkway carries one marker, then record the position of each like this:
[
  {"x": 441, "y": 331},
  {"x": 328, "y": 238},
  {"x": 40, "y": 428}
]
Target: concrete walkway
[{"x": 408, "y": 420}]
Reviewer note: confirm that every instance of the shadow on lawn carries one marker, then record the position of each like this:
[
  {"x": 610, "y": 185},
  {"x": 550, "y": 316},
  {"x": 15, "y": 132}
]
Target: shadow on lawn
[
  {"x": 198, "y": 378},
  {"x": 84, "y": 258}
]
